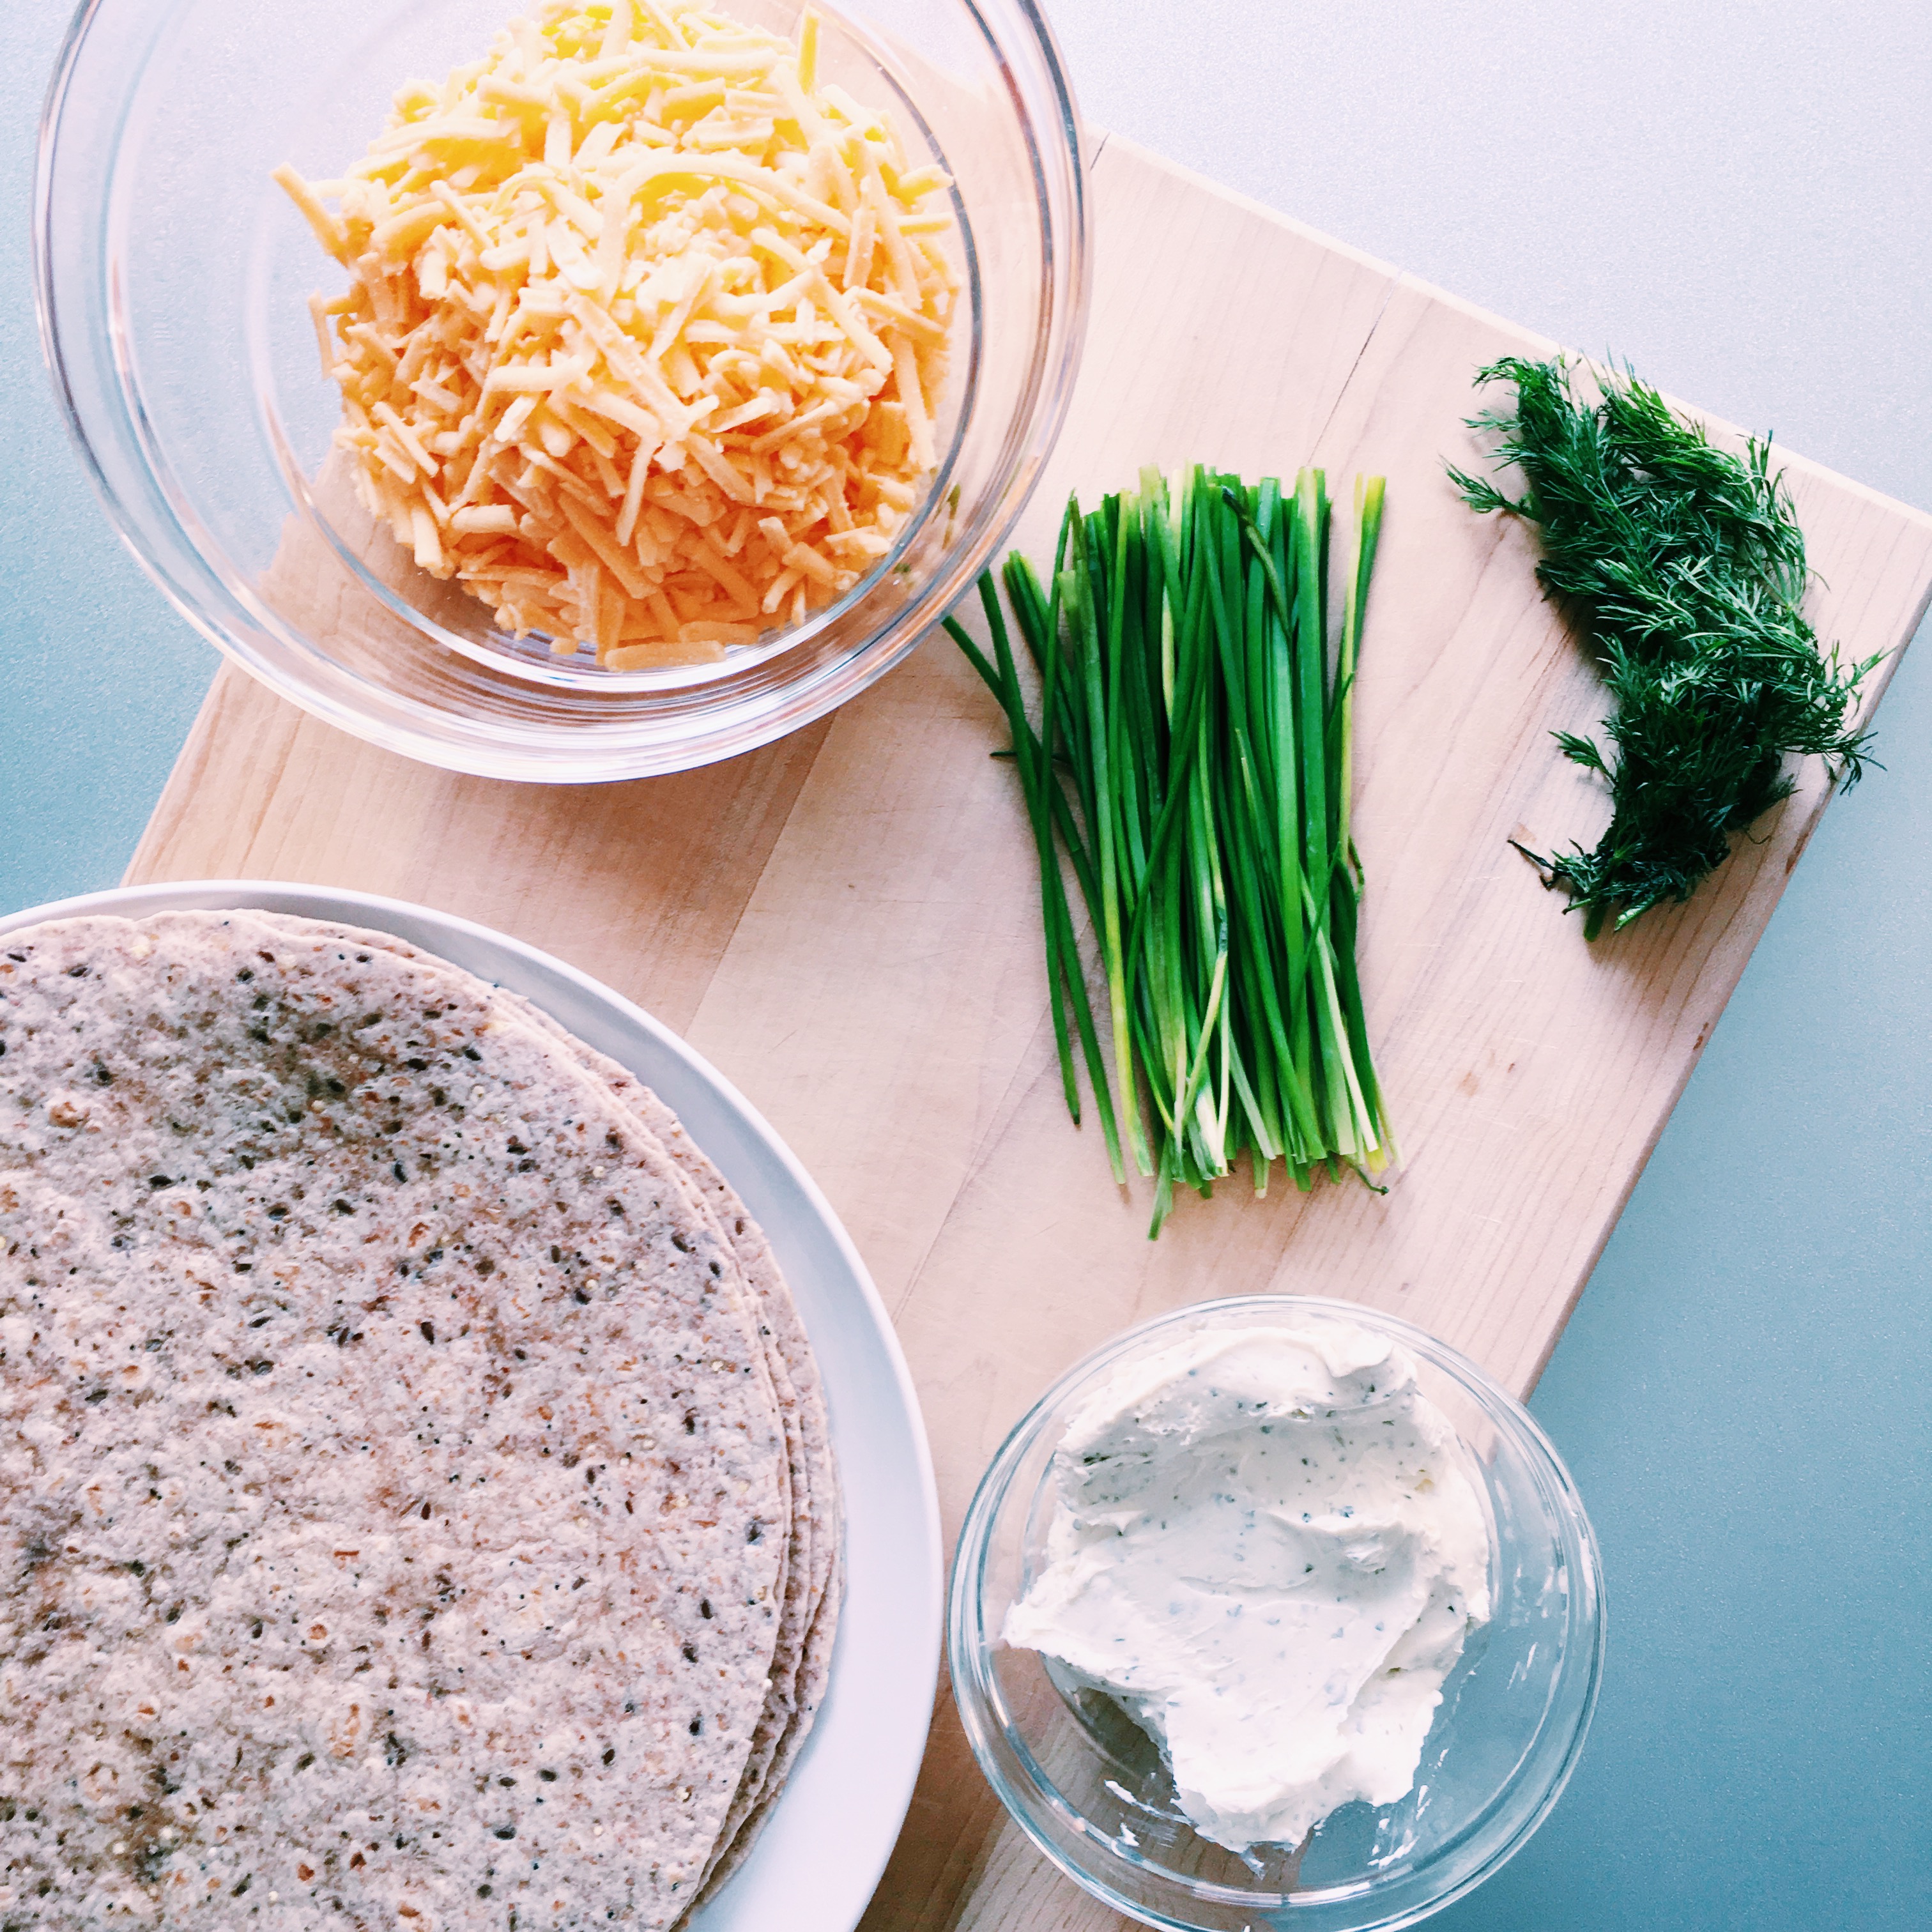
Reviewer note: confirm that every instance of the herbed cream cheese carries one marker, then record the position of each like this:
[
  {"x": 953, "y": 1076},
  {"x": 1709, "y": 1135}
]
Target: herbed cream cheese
[{"x": 1269, "y": 1548}]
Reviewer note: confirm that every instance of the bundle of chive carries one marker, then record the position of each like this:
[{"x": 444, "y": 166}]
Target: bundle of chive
[{"x": 1192, "y": 763}]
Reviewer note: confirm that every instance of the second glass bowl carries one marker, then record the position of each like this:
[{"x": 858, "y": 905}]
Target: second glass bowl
[
  {"x": 173, "y": 277},
  {"x": 1090, "y": 1790}
]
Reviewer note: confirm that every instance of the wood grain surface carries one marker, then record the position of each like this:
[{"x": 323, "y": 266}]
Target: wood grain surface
[{"x": 847, "y": 922}]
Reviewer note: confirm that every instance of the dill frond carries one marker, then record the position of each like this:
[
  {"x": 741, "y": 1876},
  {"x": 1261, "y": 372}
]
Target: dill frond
[{"x": 1684, "y": 566}]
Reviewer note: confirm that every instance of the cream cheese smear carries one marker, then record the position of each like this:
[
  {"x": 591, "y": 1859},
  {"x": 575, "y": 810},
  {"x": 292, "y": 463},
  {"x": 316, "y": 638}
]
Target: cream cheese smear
[{"x": 1269, "y": 1548}]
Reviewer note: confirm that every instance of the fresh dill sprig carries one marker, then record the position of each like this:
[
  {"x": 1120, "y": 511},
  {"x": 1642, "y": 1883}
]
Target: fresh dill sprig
[
  {"x": 1684, "y": 564},
  {"x": 1192, "y": 763}
]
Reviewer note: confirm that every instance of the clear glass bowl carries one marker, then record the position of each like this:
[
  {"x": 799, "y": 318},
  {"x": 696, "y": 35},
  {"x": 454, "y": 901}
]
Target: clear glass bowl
[
  {"x": 173, "y": 277},
  {"x": 1089, "y": 1788}
]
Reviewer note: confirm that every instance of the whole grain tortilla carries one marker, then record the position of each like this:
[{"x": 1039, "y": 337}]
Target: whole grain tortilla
[
  {"x": 803, "y": 1582},
  {"x": 392, "y": 1468},
  {"x": 801, "y": 1659},
  {"x": 810, "y": 1557},
  {"x": 800, "y": 1588},
  {"x": 796, "y": 1693}
]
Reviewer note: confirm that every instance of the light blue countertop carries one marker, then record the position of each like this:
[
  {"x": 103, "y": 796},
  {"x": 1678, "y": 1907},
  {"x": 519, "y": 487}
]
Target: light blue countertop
[{"x": 1737, "y": 195}]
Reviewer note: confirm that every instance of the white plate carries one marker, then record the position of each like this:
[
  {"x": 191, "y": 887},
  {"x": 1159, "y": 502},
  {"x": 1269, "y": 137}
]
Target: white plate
[{"x": 826, "y": 1843}]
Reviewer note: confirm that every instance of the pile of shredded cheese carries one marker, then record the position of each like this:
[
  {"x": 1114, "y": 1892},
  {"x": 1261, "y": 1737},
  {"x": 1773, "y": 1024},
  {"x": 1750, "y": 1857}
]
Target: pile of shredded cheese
[{"x": 645, "y": 328}]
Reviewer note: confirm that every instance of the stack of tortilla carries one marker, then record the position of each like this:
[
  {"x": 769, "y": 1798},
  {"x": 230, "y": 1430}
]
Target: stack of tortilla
[{"x": 417, "y": 1510}]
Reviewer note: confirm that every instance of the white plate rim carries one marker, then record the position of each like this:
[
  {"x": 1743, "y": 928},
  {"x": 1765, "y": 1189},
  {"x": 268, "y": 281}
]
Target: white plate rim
[{"x": 825, "y": 1845}]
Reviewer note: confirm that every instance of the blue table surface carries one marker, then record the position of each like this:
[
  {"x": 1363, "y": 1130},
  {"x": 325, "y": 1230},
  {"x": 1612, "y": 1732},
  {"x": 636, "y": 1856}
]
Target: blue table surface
[{"x": 1738, "y": 197}]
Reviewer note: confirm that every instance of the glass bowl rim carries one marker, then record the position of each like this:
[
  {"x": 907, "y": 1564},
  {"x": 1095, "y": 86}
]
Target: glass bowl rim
[{"x": 968, "y": 1641}]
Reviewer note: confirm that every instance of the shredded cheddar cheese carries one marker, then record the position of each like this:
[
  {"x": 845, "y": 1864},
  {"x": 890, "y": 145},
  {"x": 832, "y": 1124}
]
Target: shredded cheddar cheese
[{"x": 646, "y": 327}]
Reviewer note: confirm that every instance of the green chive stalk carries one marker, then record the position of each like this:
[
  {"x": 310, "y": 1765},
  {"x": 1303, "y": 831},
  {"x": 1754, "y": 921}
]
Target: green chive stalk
[{"x": 1192, "y": 771}]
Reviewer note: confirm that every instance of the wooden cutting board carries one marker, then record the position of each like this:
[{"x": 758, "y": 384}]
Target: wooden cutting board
[{"x": 847, "y": 922}]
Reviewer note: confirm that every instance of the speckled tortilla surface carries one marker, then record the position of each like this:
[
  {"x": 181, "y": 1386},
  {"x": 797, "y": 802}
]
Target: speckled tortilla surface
[
  {"x": 801, "y": 1664},
  {"x": 802, "y": 1661},
  {"x": 396, "y": 1493}
]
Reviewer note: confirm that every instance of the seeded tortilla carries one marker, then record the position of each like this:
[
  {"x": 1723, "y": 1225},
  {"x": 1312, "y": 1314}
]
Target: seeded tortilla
[
  {"x": 799, "y": 1591},
  {"x": 798, "y": 1691},
  {"x": 396, "y": 1491},
  {"x": 801, "y": 1659},
  {"x": 788, "y": 1721}
]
